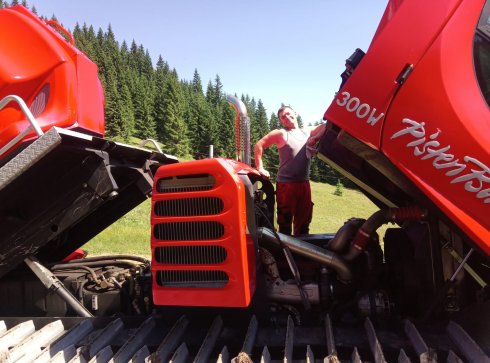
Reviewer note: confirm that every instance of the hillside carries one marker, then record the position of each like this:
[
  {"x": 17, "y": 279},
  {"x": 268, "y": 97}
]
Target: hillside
[{"x": 131, "y": 234}]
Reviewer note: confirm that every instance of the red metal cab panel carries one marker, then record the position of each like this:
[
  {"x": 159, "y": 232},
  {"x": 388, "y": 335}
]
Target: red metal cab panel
[
  {"x": 438, "y": 128},
  {"x": 58, "y": 82},
  {"x": 408, "y": 29},
  {"x": 202, "y": 251}
]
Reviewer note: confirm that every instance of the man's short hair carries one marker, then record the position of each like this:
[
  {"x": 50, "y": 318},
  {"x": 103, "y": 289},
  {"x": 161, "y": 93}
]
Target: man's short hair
[{"x": 282, "y": 108}]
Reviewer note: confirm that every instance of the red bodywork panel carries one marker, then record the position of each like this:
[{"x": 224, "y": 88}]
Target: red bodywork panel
[
  {"x": 58, "y": 82},
  {"x": 435, "y": 125},
  {"x": 202, "y": 251}
]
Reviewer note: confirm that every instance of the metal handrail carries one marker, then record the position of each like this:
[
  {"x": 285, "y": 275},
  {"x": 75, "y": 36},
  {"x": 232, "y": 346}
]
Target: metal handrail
[
  {"x": 144, "y": 142},
  {"x": 30, "y": 117}
]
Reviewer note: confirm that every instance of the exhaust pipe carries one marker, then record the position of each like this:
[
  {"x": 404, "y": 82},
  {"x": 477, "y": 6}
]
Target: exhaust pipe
[
  {"x": 308, "y": 250},
  {"x": 242, "y": 127}
]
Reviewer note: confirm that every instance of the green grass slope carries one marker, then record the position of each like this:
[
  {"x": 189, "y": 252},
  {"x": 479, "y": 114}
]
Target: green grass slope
[{"x": 131, "y": 233}]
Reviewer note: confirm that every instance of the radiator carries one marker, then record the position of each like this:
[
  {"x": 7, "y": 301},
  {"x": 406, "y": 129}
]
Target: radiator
[{"x": 202, "y": 251}]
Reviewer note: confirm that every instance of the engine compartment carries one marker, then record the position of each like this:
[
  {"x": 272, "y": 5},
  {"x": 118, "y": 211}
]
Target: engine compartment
[{"x": 421, "y": 276}]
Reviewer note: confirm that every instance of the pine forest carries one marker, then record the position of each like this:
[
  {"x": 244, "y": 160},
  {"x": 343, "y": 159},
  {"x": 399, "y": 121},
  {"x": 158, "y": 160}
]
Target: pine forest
[{"x": 147, "y": 100}]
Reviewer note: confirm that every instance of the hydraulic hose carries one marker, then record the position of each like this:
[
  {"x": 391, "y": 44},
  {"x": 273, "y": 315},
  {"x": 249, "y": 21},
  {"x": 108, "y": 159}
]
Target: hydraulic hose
[
  {"x": 86, "y": 268},
  {"x": 376, "y": 220},
  {"x": 100, "y": 263},
  {"x": 111, "y": 257}
]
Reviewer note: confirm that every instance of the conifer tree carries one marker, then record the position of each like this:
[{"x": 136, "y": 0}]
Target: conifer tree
[
  {"x": 255, "y": 130},
  {"x": 161, "y": 74},
  {"x": 227, "y": 132},
  {"x": 272, "y": 153},
  {"x": 174, "y": 128},
  {"x": 199, "y": 119},
  {"x": 300, "y": 121},
  {"x": 211, "y": 99},
  {"x": 196, "y": 82},
  {"x": 262, "y": 124},
  {"x": 204, "y": 134}
]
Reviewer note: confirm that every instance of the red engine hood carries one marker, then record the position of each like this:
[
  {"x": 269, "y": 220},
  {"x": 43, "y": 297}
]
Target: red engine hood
[{"x": 433, "y": 125}]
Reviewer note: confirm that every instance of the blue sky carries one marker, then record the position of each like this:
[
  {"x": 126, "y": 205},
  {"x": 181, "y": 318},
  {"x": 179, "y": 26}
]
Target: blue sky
[{"x": 274, "y": 50}]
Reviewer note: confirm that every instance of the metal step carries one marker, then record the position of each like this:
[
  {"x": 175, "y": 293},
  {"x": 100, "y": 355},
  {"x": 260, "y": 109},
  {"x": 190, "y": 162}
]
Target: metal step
[{"x": 218, "y": 339}]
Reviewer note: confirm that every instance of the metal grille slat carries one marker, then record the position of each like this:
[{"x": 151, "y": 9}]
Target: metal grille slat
[
  {"x": 192, "y": 278},
  {"x": 189, "y": 231},
  {"x": 186, "y": 183},
  {"x": 190, "y": 255},
  {"x": 189, "y": 207}
]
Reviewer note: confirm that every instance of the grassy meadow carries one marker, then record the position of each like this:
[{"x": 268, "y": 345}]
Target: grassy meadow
[{"x": 131, "y": 233}]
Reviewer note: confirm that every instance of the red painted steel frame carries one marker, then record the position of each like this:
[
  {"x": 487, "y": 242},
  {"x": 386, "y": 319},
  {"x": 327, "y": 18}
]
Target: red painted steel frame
[
  {"x": 436, "y": 125},
  {"x": 35, "y": 56}
]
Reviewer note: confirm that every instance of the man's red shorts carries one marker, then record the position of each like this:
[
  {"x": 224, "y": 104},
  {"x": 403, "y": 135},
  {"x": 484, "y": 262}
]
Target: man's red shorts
[{"x": 294, "y": 207}]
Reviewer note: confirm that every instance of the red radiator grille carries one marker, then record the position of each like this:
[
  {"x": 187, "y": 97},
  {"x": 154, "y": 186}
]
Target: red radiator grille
[{"x": 202, "y": 254}]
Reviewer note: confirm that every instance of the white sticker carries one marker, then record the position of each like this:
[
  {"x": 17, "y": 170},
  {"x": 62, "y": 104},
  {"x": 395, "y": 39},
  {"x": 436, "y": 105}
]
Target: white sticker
[
  {"x": 362, "y": 110},
  {"x": 473, "y": 173}
]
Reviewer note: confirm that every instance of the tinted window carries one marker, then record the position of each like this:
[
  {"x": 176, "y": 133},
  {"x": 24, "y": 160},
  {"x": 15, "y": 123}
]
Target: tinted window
[{"x": 482, "y": 52}]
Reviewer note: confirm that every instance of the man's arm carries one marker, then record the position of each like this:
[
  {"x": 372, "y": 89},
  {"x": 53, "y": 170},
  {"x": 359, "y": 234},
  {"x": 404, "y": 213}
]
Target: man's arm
[
  {"x": 316, "y": 134},
  {"x": 275, "y": 137}
]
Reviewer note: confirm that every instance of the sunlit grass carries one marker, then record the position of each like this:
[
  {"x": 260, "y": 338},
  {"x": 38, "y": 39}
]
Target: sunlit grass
[{"x": 131, "y": 233}]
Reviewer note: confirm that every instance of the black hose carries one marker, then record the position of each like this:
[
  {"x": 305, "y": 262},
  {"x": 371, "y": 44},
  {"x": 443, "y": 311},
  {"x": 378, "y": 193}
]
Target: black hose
[
  {"x": 111, "y": 257},
  {"x": 100, "y": 263},
  {"x": 86, "y": 268}
]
